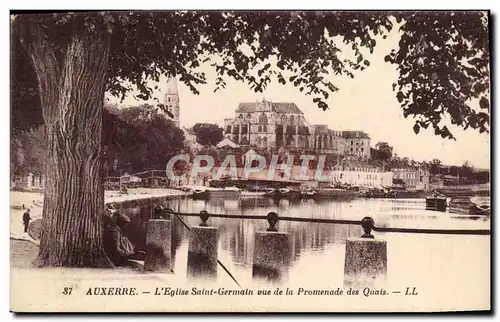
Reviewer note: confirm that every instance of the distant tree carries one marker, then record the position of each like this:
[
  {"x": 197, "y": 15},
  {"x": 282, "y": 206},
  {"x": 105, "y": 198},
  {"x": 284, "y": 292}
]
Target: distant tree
[
  {"x": 435, "y": 166},
  {"x": 154, "y": 141},
  {"x": 208, "y": 134},
  {"x": 29, "y": 152},
  {"x": 385, "y": 149},
  {"x": 466, "y": 171}
]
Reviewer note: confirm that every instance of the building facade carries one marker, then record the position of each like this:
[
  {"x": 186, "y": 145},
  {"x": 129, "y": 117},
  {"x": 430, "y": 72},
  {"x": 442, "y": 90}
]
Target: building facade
[
  {"x": 190, "y": 140},
  {"x": 362, "y": 176},
  {"x": 414, "y": 178},
  {"x": 357, "y": 143},
  {"x": 273, "y": 125},
  {"x": 171, "y": 100}
]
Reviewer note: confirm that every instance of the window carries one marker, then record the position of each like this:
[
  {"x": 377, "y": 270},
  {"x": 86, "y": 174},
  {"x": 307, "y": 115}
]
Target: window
[
  {"x": 362, "y": 149},
  {"x": 168, "y": 99},
  {"x": 259, "y": 129},
  {"x": 264, "y": 128}
]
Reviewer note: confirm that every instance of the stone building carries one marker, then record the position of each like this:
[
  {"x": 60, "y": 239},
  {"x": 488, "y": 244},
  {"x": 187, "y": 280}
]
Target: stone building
[
  {"x": 362, "y": 176},
  {"x": 357, "y": 144},
  {"x": 190, "y": 140},
  {"x": 273, "y": 125},
  {"x": 171, "y": 100},
  {"x": 414, "y": 178}
]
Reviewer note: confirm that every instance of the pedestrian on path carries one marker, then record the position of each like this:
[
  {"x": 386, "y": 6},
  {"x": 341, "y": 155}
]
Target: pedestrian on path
[{"x": 26, "y": 220}]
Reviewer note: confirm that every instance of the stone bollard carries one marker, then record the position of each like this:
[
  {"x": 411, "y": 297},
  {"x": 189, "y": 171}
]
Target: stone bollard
[
  {"x": 365, "y": 259},
  {"x": 158, "y": 246},
  {"x": 203, "y": 250},
  {"x": 271, "y": 257},
  {"x": 160, "y": 212}
]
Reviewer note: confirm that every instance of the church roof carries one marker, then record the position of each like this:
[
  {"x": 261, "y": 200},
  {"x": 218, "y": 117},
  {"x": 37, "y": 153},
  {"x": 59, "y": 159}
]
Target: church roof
[
  {"x": 227, "y": 142},
  {"x": 355, "y": 135},
  {"x": 321, "y": 129},
  {"x": 278, "y": 107}
]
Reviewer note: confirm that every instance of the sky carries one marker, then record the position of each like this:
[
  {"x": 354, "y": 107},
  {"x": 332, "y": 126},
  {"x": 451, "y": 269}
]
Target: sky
[{"x": 365, "y": 103}]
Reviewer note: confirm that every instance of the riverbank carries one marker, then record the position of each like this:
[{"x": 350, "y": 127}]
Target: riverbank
[{"x": 20, "y": 200}]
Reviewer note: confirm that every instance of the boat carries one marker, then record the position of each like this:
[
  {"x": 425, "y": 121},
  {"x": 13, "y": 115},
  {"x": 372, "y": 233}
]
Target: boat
[
  {"x": 375, "y": 193},
  {"x": 480, "y": 207},
  {"x": 199, "y": 193},
  {"x": 436, "y": 202},
  {"x": 227, "y": 192},
  {"x": 308, "y": 193},
  {"x": 289, "y": 193},
  {"x": 252, "y": 194},
  {"x": 325, "y": 193},
  {"x": 460, "y": 205}
]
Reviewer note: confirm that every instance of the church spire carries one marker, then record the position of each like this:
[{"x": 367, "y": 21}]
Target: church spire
[
  {"x": 171, "y": 99},
  {"x": 172, "y": 85}
]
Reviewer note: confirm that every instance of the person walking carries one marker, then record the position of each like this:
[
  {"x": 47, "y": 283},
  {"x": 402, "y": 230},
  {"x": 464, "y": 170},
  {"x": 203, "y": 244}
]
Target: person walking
[{"x": 26, "y": 220}]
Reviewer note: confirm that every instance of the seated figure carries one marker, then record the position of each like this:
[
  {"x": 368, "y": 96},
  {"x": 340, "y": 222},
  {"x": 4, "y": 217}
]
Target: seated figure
[{"x": 118, "y": 247}]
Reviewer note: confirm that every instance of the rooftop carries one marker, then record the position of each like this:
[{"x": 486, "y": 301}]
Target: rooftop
[
  {"x": 278, "y": 107},
  {"x": 355, "y": 135}
]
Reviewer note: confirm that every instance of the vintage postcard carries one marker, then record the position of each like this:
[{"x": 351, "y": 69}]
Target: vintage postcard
[{"x": 250, "y": 161}]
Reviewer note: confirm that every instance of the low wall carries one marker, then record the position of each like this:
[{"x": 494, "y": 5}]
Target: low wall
[{"x": 35, "y": 227}]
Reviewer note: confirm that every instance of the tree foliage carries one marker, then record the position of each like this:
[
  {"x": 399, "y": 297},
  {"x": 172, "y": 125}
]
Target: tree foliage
[
  {"x": 384, "y": 151},
  {"x": 28, "y": 152},
  {"x": 444, "y": 69},
  {"x": 435, "y": 166},
  {"x": 134, "y": 139},
  {"x": 442, "y": 57},
  {"x": 139, "y": 138},
  {"x": 208, "y": 134}
]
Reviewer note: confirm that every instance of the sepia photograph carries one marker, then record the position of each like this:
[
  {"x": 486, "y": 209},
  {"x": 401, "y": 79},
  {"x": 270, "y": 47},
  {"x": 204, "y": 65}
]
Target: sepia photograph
[{"x": 204, "y": 161}]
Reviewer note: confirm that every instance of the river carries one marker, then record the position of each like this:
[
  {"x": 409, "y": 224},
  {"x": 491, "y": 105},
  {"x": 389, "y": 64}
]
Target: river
[{"x": 318, "y": 249}]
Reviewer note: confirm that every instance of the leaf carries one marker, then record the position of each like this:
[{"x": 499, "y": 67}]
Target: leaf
[
  {"x": 484, "y": 103},
  {"x": 322, "y": 105},
  {"x": 416, "y": 128},
  {"x": 400, "y": 96}
]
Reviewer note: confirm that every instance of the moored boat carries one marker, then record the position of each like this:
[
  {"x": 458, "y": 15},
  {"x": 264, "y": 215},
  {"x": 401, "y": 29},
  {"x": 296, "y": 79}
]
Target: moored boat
[
  {"x": 460, "y": 205},
  {"x": 479, "y": 209},
  {"x": 199, "y": 193},
  {"x": 251, "y": 194},
  {"x": 308, "y": 193},
  {"x": 436, "y": 202},
  {"x": 289, "y": 193},
  {"x": 209, "y": 192},
  {"x": 335, "y": 193},
  {"x": 227, "y": 192}
]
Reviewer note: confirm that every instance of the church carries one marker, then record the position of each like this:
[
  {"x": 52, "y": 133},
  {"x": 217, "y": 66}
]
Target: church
[
  {"x": 272, "y": 126},
  {"x": 171, "y": 100}
]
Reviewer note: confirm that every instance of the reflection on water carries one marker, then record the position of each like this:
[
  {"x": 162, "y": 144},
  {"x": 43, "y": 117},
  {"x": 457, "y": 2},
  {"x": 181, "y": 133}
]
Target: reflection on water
[{"x": 309, "y": 242}]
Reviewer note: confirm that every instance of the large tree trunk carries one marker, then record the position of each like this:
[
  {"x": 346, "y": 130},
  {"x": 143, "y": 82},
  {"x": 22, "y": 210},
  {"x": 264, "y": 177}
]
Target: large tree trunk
[{"x": 72, "y": 96}]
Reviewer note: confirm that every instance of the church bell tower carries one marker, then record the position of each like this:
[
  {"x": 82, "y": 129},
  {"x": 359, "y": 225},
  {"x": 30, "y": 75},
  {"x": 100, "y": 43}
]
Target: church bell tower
[{"x": 171, "y": 99}]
